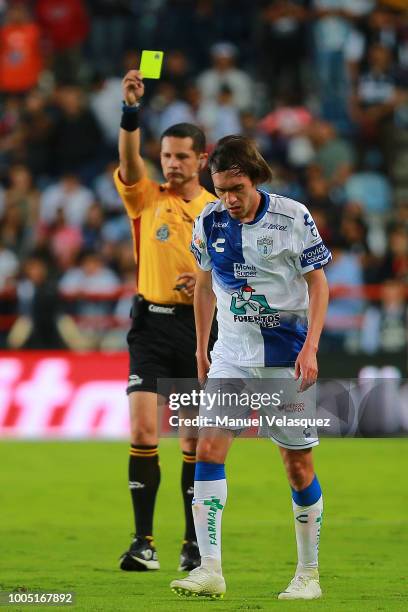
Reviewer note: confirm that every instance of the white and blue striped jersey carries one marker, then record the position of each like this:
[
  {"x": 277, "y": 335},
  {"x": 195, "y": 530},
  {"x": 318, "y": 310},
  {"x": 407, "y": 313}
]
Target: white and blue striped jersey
[{"x": 257, "y": 273}]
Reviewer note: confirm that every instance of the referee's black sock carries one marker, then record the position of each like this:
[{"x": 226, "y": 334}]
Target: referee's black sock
[
  {"x": 144, "y": 480},
  {"x": 187, "y": 487}
]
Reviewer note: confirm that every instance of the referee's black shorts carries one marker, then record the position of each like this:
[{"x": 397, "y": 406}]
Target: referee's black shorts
[{"x": 162, "y": 345}]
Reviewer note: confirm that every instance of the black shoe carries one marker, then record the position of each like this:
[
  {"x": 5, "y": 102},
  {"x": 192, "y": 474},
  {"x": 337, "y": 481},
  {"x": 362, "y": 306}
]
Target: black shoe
[
  {"x": 189, "y": 557},
  {"x": 140, "y": 557}
]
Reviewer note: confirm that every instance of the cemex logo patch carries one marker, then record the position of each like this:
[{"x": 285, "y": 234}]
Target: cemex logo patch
[
  {"x": 314, "y": 255},
  {"x": 243, "y": 270}
]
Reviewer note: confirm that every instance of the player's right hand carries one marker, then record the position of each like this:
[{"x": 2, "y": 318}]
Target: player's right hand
[
  {"x": 203, "y": 367},
  {"x": 132, "y": 87}
]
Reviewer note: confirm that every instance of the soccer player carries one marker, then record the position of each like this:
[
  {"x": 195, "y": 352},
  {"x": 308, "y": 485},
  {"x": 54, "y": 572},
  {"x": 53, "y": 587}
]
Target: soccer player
[
  {"x": 162, "y": 337},
  {"x": 268, "y": 329}
]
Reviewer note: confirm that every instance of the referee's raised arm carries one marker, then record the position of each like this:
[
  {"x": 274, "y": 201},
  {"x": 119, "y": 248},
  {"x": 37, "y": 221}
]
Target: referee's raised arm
[{"x": 131, "y": 165}]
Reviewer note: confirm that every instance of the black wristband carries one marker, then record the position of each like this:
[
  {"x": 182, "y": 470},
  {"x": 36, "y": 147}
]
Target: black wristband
[{"x": 130, "y": 118}]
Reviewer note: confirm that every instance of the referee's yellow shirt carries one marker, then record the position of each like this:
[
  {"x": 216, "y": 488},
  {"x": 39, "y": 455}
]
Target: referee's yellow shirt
[{"x": 162, "y": 224}]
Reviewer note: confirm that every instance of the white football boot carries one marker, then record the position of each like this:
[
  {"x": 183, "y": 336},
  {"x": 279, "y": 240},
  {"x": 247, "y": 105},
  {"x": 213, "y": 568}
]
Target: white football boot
[
  {"x": 303, "y": 586},
  {"x": 201, "y": 582}
]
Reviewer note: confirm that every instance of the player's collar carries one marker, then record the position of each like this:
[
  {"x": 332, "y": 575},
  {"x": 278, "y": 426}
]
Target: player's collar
[{"x": 262, "y": 208}]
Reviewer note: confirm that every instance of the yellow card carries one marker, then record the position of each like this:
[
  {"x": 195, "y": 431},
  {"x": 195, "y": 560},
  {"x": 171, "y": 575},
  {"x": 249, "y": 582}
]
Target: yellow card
[{"x": 151, "y": 64}]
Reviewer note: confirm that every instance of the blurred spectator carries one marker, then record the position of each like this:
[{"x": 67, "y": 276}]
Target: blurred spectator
[
  {"x": 92, "y": 290},
  {"x": 176, "y": 70},
  {"x": 20, "y": 55},
  {"x": 167, "y": 109},
  {"x": 15, "y": 234},
  {"x": 108, "y": 37},
  {"x": 37, "y": 126},
  {"x": 375, "y": 99},
  {"x": 219, "y": 117},
  {"x": 8, "y": 268},
  {"x": 334, "y": 155},
  {"x": 106, "y": 192},
  {"x": 39, "y": 307},
  {"x": 251, "y": 128},
  {"x": 106, "y": 104},
  {"x": 380, "y": 27},
  {"x": 69, "y": 196},
  {"x": 91, "y": 278},
  {"x": 224, "y": 73},
  {"x": 77, "y": 138},
  {"x": 385, "y": 325},
  {"x": 372, "y": 189},
  {"x": 344, "y": 313},
  {"x": 332, "y": 30},
  {"x": 64, "y": 241},
  {"x": 92, "y": 228},
  {"x": 22, "y": 194},
  {"x": 396, "y": 258},
  {"x": 287, "y": 125},
  {"x": 281, "y": 43},
  {"x": 10, "y": 131},
  {"x": 65, "y": 25}
]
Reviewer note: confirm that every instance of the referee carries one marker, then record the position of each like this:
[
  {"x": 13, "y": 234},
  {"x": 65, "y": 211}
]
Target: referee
[{"x": 162, "y": 340}]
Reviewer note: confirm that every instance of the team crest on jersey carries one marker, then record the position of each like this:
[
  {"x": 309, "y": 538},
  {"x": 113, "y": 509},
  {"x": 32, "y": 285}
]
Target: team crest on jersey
[
  {"x": 251, "y": 307},
  {"x": 264, "y": 246},
  {"x": 163, "y": 233}
]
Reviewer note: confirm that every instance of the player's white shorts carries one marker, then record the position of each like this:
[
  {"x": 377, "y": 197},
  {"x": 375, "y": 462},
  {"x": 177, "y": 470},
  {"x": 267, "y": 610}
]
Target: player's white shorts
[{"x": 242, "y": 395}]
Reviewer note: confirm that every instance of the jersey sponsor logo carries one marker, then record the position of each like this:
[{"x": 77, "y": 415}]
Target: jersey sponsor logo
[
  {"x": 246, "y": 300},
  {"x": 243, "y": 270},
  {"x": 222, "y": 224},
  {"x": 275, "y": 226},
  {"x": 214, "y": 505},
  {"x": 310, "y": 223},
  {"x": 163, "y": 233},
  {"x": 217, "y": 245},
  {"x": 314, "y": 255},
  {"x": 264, "y": 246}
]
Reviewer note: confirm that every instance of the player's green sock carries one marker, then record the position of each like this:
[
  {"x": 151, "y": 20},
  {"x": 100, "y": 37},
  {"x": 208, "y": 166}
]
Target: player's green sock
[
  {"x": 144, "y": 480},
  {"x": 187, "y": 488},
  {"x": 308, "y": 512}
]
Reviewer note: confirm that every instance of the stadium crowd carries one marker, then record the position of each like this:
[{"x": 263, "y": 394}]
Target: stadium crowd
[{"x": 320, "y": 85}]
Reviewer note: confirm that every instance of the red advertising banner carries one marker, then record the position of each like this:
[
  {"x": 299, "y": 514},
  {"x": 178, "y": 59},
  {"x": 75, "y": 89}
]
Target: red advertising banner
[{"x": 63, "y": 395}]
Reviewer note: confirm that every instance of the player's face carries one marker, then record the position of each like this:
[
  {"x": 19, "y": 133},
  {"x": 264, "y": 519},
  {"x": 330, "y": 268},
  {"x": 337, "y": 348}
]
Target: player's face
[
  {"x": 180, "y": 163},
  {"x": 238, "y": 194}
]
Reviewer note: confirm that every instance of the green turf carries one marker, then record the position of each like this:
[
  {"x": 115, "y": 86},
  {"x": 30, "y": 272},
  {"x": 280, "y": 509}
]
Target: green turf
[{"x": 65, "y": 518}]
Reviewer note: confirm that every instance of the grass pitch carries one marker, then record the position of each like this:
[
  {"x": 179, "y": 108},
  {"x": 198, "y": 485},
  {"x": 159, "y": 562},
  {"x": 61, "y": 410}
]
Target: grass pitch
[{"x": 65, "y": 519}]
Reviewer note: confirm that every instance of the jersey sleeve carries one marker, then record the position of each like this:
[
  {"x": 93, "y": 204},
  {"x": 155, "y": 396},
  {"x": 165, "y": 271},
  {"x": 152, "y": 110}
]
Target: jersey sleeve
[
  {"x": 198, "y": 245},
  {"x": 310, "y": 250},
  {"x": 136, "y": 197}
]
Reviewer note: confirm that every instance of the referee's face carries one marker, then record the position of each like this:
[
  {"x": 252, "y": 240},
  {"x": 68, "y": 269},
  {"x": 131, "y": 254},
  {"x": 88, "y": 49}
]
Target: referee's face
[
  {"x": 180, "y": 163},
  {"x": 238, "y": 194}
]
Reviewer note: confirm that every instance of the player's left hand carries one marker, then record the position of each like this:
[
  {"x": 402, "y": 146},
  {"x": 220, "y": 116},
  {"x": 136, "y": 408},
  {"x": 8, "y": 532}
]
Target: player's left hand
[
  {"x": 188, "y": 279},
  {"x": 306, "y": 367}
]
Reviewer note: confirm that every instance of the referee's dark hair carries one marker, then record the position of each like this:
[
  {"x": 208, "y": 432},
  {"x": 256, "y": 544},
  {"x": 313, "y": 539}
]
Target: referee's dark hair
[
  {"x": 187, "y": 130},
  {"x": 239, "y": 155}
]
